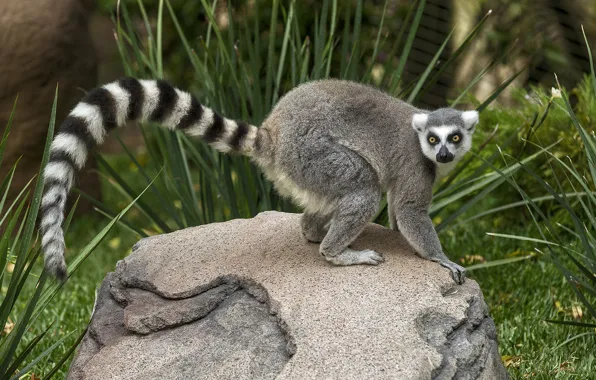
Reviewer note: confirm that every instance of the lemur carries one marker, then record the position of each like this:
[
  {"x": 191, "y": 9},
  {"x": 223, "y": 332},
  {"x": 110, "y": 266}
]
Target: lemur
[{"x": 332, "y": 146}]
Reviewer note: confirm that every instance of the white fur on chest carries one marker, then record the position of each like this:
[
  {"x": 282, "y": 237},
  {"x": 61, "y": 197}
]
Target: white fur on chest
[{"x": 444, "y": 169}]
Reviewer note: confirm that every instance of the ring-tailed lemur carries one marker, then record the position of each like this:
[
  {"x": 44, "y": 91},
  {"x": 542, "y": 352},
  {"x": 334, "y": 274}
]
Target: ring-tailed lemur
[{"x": 332, "y": 146}]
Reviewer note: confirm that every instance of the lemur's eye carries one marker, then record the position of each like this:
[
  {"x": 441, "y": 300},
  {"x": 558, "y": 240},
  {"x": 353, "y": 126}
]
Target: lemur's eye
[
  {"x": 432, "y": 140},
  {"x": 455, "y": 138}
]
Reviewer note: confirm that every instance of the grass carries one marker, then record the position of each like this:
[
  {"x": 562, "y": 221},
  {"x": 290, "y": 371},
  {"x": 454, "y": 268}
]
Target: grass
[{"x": 521, "y": 297}]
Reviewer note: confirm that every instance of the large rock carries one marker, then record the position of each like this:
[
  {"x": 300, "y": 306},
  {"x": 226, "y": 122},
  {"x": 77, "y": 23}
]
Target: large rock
[{"x": 250, "y": 299}]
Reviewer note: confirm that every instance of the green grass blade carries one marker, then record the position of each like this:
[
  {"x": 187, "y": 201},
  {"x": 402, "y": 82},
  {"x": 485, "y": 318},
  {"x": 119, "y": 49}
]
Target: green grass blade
[
  {"x": 127, "y": 226},
  {"x": 103, "y": 209},
  {"x": 154, "y": 189},
  {"x": 366, "y": 77},
  {"x": 6, "y": 186},
  {"x": 575, "y": 337},
  {"x": 20, "y": 264},
  {"x": 27, "y": 350},
  {"x": 77, "y": 261},
  {"x": 132, "y": 194},
  {"x": 284, "y": 48},
  {"x": 148, "y": 29},
  {"x": 496, "y": 263},
  {"x": 17, "y": 333},
  {"x": 159, "y": 43},
  {"x": 431, "y": 65},
  {"x": 467, "y": 205},
  {"x": 406, "y": 51},
  {"x": 446, "y": 200},
  {"x": 524, "y": 202},
  {"x": 592, "y": 74},
  {"x": 74, "y": 264},
  {"x": 187, "y": 180},
  {"x": 523, "y": 238},
  {"x": 66, "y": 356},
  {"x": 4, "y": 244},
  {"x": 39, "y": 357},
  {"x": 357, "y": 25},
  {"x": 461, "y": 48},
  {"x": 270, "y": 55},
  {"x": 575, "y": 218},
  {"x": 7, "y": 129},
  {"x": 498, "y": 91},
  {"x": 345, "y": 48},
  {"x": 589, "y": 141},
  {"x": 36, "y": 201},
  {"x": 331, "y": 44}
]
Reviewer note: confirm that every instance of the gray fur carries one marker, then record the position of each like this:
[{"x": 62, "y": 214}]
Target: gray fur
[
  {"x": 336, "y": 146},
  {"x": 445, "y": 116}
]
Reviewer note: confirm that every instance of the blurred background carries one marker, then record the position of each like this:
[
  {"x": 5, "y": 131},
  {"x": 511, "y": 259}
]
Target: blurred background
[{"x": 519, "y": 212}]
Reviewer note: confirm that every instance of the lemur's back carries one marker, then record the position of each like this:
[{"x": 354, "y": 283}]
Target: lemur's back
[{"x": 359, "y": 117}]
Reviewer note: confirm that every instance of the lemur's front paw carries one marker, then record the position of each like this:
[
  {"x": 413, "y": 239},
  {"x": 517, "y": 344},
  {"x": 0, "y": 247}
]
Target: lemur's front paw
[
  {"x": 316, "y": 236},
  {"x": 458, "y": 273},
  {"x": 352, "y": 257}
]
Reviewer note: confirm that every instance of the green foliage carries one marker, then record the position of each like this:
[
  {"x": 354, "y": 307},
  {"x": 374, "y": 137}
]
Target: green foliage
[
  {"x": 571, "y": 244},
  {"x": 521, "y": 297},
  {"x": 581, "y": 218},
  {"x": 374, "y": 22},
  {"x": 552, "y": 124}
]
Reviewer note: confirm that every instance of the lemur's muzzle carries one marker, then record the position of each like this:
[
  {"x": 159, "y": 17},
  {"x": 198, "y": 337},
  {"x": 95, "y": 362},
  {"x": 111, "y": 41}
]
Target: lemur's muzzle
[{"x": 444, "y": 155}]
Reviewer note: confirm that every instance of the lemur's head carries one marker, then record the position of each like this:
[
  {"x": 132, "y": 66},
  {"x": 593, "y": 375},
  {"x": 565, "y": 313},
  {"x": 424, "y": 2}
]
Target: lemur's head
[{"x": 445, "y": 134}]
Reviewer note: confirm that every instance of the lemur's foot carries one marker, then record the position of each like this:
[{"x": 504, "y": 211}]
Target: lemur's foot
[
  {"x": 352, "y": 257},
  {"x": 458, "y": 273},
  {"x": 314, "y": 236},
  {"x": 314, "y": 227}
]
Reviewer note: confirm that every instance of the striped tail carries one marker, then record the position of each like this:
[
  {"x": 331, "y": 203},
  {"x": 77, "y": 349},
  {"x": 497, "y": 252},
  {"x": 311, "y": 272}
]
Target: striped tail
[{"x": 111, "y": 106}]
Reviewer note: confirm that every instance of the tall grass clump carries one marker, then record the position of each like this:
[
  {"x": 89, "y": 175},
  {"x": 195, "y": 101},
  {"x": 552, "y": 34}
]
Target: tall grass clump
[{"x": 569, "y": 242}]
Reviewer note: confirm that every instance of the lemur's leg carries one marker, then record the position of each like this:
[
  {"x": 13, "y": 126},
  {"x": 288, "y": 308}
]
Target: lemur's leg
[
  {"x": 340, "y": 176},
  {"x": 353, "y": 212},
  {"x": 391, "y": 212},
  {"x": 313, "y": 226},
  {"x": 416, "y": 226}
]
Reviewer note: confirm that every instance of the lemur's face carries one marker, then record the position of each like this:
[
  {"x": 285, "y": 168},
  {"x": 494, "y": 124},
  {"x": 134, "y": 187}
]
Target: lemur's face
[{"x": 445, "y": 134}]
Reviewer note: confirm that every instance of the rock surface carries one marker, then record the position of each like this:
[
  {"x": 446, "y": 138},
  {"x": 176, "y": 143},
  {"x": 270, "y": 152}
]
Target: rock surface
[{"x": 250, "y": 299}]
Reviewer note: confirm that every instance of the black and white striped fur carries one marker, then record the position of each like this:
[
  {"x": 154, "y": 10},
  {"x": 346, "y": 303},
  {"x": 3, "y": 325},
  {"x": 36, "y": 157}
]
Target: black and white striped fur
[{"x": 111, "y": 106}]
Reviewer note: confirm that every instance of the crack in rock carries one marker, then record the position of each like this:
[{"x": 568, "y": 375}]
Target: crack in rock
[
  {"x": 468, "y": 346},
  {"x": 147, "y": 312},
  {"x": 234, "y": 317}
]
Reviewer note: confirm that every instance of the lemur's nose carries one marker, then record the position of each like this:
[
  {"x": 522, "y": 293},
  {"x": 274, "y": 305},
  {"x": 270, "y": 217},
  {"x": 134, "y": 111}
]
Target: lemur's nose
[{"x": 444, "y": 155}]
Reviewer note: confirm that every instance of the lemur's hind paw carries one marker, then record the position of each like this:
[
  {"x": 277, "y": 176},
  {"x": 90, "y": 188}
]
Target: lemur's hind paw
[
  {"x": 458, "y": 273},
  {"x": 352, "y": 257}
]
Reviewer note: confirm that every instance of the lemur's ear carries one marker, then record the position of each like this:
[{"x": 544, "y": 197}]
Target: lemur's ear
[
  {"x": 470, "y": 119},
  {"x": 419, "y": 121}
]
